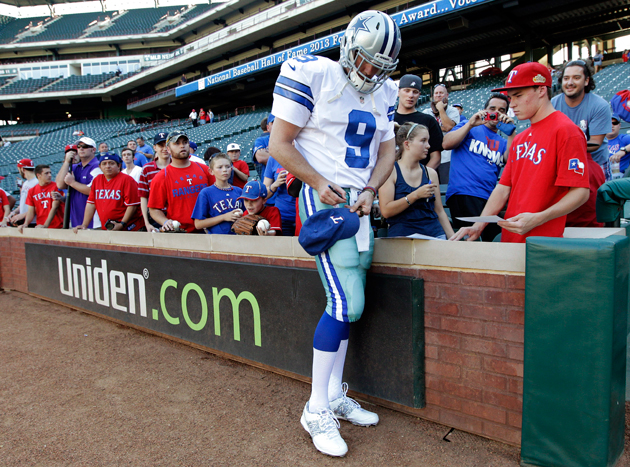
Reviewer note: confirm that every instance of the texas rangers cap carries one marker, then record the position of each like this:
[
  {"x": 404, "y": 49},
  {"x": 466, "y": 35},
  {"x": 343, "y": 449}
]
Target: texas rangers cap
[
  {"x": 233, "y": 147},
  {"x": 193, "y": 145},
  {"x": 254, "y": 190},
  {"x": 109, "y": 156},
  {"x": 70, "y": 147},
  {"x": 526, "y": 75},
  {"x": 160, "y": 137},
  {"x": 25, "y": 164},
  {"x": 461, "y": 106},
  {"x": 270, "y": 118},
  {"x": 175, "y": 135},
  {"x": 616, "y": 117},
  {"x": 410, "y": 81},
  {"x": 87, "y": 141},
  {"x": 324, "y": 228}
]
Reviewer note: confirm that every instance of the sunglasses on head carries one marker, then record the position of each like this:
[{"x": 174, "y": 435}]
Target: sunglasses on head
[
  {"x": 440, "y": 84},
  {"x": 576, "y": 62}
]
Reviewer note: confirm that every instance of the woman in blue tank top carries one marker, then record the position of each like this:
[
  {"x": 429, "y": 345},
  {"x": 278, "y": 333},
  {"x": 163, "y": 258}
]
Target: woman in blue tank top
[{"x": 410, "y": 198}]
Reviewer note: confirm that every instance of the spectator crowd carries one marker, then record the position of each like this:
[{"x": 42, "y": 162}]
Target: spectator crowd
[{"x": 166, "y": 187}]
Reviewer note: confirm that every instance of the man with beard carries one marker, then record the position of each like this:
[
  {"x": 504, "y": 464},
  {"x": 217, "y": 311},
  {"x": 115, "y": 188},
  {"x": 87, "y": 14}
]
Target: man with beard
[{"x": 175, "y": 189}]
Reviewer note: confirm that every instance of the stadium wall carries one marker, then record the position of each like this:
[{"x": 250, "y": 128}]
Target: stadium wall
[{"x": 473, "y": 310}]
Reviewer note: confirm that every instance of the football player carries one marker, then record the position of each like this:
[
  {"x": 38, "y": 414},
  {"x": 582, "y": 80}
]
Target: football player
[{"x": 340, "y": 116}]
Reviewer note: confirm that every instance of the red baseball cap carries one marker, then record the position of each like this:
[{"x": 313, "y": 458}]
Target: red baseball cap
[
  {"x": 25, "y": 164},
  {"x": 526, "y": 75},
  {"x": 71, "y": 147}
]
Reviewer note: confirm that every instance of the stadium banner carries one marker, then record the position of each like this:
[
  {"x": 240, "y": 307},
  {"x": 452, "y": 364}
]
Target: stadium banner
[
  {"x": 405, "y": 18},
  {"x": 260, "y": 313}
]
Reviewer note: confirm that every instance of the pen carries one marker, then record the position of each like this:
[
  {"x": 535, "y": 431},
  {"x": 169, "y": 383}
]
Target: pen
[{"x": 335, "y": 191}]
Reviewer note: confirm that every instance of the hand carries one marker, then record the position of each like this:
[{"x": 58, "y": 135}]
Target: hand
[
  {"x": 478, "y": 118},
  {"x": 69, "y": 179},
  {"x": 21, "y": 228},
  {"x": 56, "y": 195},
  {"x": 233, "y": 216},
  {"x": 521, "y": 223},
  {"x": 81, "y": 227},
  {"x": 440, "y": 105},
  {"x": 473, "y": 232},
  {"x": 328, "y": 196},
  {"x": 151, "y": 229},
  {"x": 376, "y": 210},
  {"x": 168, "y": 225},
  {"x": 616, "y": 157},
  {"x": 505, "y": 119},
  {"x": 281, "y": 180},
  {"x": 425, "y": 191},
  {"x": 364, "y": 203},
  {"x": 40, "y": 226},
  {"x": 262, "y": 232},
  {"x": 117, "y": 226},
  {"x": 68, "y": 158}
]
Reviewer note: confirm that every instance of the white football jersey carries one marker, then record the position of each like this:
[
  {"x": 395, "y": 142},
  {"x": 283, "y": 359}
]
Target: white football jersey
[{"x": 341, "y": 133}]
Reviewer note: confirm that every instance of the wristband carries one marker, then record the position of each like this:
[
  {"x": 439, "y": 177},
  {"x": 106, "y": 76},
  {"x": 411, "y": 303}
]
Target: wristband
[
  {"x": 369, "y": 188},
  {"x": 407, "y": 199}
]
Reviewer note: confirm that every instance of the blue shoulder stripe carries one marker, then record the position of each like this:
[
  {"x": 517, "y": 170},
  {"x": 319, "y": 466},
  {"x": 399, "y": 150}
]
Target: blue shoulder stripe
[
  {"x": 295, "y": 85},
  {"x": 294, "y": 97},
  {"x": 391, "y": 113}
]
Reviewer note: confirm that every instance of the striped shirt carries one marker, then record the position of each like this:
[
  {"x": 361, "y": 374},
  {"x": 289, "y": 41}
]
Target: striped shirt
[{"x": 149, "y": 171}]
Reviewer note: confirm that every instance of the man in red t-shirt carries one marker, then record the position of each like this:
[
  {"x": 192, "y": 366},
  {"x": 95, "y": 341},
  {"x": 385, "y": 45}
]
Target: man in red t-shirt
[
  {"x": 547, "y": 174},
  {"x": 240, "y": 169},
  {"x": 6, "y": 207},
  {"x": 176, "y": 188},
  {"x": 114, "y": 195},
  {"x": 149, "y": 171},
  {"x": 42, "y": 203}
]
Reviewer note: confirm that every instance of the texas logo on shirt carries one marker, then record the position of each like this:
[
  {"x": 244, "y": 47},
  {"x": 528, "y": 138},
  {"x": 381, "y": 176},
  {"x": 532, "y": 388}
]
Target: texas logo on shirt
[{"x": 576, "y": 166}]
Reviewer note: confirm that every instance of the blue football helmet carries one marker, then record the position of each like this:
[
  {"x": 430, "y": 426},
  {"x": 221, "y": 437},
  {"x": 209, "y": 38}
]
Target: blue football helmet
[{"x": 372, "y": 37}]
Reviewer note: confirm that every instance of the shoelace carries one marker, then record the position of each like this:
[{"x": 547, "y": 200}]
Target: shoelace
[
  {"x": 350, "y": 400},
  {"x": 328, "y": 423}
]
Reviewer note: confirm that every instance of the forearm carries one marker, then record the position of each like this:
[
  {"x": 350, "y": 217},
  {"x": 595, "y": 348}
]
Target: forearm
[
  {"x": 51, "y": 214},
  {"x": 158, "y": 216},
  {"x": 384, "y": 164},
  {"x": 435, "y": 160},
  {"x": 80, "y": 187},
  {"x": 144, "y": 202},
  {"x": 129, "y": 213},
  {"x": 393, "y": 208},
  {"x": 445, "y": 223},
  {"x": 209, "y": 222},
  {"x": 454, "y": 138},
  {"x": 59, "y": 179},
  {"x": 240, "y": 174},
  {"x": 291, "y": 159},
  {"x": 30, "y": 215},
  {"x": 594, "y": 143},
  {"x": 90, "y": 209},
  {"x": 575, "y": 198},
  {"x": 262, "y": 156},
  {"x": 447, "y": 123}
]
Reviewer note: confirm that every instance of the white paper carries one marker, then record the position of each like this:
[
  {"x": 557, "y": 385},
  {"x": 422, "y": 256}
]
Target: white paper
[
  {"x": 487, "y": 219},
  {"x": 419, "y": 237}
]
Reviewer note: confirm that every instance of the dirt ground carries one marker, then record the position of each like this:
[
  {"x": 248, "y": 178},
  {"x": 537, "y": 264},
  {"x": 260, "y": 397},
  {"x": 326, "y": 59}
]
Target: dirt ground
[{"x": 77, "y": 390}]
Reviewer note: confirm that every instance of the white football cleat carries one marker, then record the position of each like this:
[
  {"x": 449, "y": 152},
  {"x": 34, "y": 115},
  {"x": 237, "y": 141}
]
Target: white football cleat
[
  {"x": 324, "y": 429},
  {"x": 346, "y": 408}
]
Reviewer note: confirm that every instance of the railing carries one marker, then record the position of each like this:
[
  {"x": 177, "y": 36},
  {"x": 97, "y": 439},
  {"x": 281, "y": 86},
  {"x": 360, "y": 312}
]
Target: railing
[{"x": 135, "y": 102}]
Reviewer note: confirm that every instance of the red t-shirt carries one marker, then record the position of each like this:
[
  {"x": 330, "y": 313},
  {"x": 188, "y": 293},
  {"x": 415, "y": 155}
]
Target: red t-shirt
[
  {"x": 544, "y": 162},
  {"x": 585, "y": 215},
  {"x": 243, "y": 167},
  {"x": 4, "y": 199},
  {"x": 39, "y": 197},
  {"x": 112, "y": 198},
  {"x": 149, "y": 171},
  {"x": 177, "y": 190},
  {"x": 272, "y": 214}
]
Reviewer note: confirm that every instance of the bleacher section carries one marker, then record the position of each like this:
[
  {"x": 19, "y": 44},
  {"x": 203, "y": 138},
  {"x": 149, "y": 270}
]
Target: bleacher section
[
  {"x": 48, "y": 147},
  {"x": 12, "y": 28},
  {"x": 74, "y": 83},
  {"x": 25, "y": 86},
  {"x": 135, "y": 22},
  {"x": 612, "y": 79},
  {"x": 68, "y": 27},
  {"x": 191, "y": 13}
]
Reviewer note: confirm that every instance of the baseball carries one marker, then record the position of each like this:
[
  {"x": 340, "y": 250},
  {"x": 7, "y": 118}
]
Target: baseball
[
  {"x": 264, "y": 224},
  {"x": 176, "y": 225}
]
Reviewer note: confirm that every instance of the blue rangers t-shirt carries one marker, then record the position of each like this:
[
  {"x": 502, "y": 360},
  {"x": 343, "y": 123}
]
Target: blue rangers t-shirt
[
  {"x": 213, "y": 202},
  {"x": 283, "y": 200},
  {"x": 614, "y": 145},
  {"x": 476, "y": 163}
]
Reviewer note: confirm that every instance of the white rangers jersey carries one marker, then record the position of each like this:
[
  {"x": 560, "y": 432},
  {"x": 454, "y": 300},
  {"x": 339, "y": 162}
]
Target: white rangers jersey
[{"x": 342, "y": 129}]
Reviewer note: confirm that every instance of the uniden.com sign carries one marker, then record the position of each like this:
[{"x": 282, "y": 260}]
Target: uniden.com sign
[{"x": 262, "y": 313}]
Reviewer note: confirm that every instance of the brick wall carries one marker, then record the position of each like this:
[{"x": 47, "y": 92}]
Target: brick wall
[{"x": 473, "y": 329}]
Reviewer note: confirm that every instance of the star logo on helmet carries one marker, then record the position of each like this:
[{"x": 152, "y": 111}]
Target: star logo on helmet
[{"x": 360, "y": 25}]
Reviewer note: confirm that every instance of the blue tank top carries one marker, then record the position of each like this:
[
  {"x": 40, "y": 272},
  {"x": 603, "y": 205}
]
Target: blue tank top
[{"x": 420, "y": 217}]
